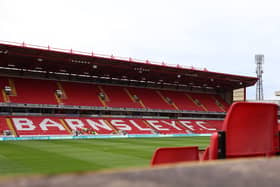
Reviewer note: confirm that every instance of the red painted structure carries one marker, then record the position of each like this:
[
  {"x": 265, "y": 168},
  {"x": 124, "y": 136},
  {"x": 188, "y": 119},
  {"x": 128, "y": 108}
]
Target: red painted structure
[
  {"x": 249, "y": 130},
  {"x": 37, "y": 91},
  {"x": 44, "y": 126},
  {"x": 36, "y": 73},
  {"x": 48, "y": 59}
]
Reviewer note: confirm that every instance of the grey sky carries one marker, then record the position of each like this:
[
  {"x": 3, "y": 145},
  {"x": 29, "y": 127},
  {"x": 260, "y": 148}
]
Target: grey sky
[{"x": 219, "y": 35}]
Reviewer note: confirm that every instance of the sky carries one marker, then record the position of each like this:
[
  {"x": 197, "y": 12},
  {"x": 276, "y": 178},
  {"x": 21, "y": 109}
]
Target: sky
[{"x": 220, "y": 35}]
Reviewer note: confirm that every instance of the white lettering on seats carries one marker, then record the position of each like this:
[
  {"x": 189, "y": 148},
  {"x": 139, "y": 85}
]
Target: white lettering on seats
[
  {"x": 187, "y": 125},
  {"x": 156, "y": 126},
  {"x": 23, "y": 124},
  {"x": 120, "y": 124},
  {"x": 172, "y": 124},
  {"x": 200, "y": 124},
  {"x": 74, "y": 123},
  {"x": 50, "y": 123},
  {"x": 101, "y": 123},
  {"x": 138, "y": 126}
]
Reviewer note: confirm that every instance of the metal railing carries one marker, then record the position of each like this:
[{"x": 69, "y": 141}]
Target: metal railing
[
  {"x": 93, "y": 108},
  {"x": 92, "y": 54}
]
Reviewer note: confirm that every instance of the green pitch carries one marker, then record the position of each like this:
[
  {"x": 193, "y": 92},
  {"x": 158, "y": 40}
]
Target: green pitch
[{"x": 60, "y": 156}]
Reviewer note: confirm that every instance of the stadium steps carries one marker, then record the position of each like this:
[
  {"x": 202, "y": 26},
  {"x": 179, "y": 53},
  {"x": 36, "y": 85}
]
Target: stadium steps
[
  {"x": 133, "y": 99},
  {"x": 142, "y": 104},
  {"x": 59, "y": 101},
  {"x": 219, "y": 104},
  {"x": 3, "y": 125},
  {"x": 129, "y": 95},
  {"x": 140, "y": 123},
  {"x": 10, "y": 83},
  {"x": 104, "y": 102},
  {"x": 118, "y": 97},
  {"x": 6, "y": 98},
  {"x": 65, "y": 126},
  {"x": 208, "y": 101},
  {"x": 150, "y": 126},
  {"x": 165, "y": 100},
  {"x": 13, "y": 87},
  {"x": 64, "y": 95},
  {"x": 59, "y": 85},
  {"x": 112, "y": 126},
  {"x": 11, "y": 127},
  {"x": 182, "y": 127},
  {"x": 196, "y": 103},
  {"x": 180, "y": 100},
  {"x": 223, "y": 102},
  {"x": 150, "y": 98}
]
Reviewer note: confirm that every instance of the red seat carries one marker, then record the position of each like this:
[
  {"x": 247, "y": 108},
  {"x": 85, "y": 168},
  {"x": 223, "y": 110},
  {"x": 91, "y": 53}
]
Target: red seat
[
  {"x": 167, "y": 155},
  {"x": 207, "y": 100},
  {"x": 150, "y": 98},
  {"x": 34, "y": 91},
  {"x": 249, "y": 130},
  {"x": 181, "y": 100},
  {"x": 119, "y": 98},
  {"x": 81, "y": 94}
]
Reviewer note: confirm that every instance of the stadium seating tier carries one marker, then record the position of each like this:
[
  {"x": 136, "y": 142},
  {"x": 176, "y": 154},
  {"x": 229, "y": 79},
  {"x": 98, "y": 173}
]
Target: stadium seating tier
[
  {"x": 50, "y": 126},
  {"x": 249, "y": 130},
  {"x": 35, "y": 91}
]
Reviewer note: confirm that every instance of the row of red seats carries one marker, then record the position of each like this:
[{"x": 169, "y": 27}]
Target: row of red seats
[
  {"x": 65, "y": 126},
  {"x": 80, "y": 94},
  {"x": 249, "y": 130},
  {"x": 35, "y": 91}
]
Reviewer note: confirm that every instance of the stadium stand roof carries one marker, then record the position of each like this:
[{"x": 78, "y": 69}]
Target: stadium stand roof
[{"x": 33, "y": 58}]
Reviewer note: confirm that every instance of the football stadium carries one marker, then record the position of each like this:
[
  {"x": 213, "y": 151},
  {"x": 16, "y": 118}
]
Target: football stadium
[{"x": 66, "y": 111}]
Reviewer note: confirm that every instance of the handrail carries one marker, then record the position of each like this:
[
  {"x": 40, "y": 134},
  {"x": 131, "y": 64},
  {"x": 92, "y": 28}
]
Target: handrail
[{"x": 47, "y": 106}]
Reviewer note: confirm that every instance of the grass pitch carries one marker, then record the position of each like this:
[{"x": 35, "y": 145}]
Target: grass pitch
[{"x": 62, "y": 156}]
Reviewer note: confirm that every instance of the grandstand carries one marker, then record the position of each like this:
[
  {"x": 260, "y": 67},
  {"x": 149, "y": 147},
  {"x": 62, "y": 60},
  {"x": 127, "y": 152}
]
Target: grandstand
[{"x": 55, "y": 92}]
